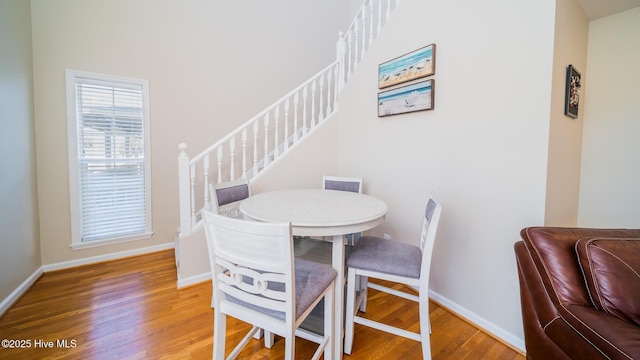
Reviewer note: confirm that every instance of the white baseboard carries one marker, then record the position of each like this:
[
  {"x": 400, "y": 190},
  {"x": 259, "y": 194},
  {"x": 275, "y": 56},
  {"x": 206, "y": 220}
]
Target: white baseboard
[
  {"x": 514, "y": 341},
  {"x": 192, "y": 280},
  {"x": 107, "y": 257},
  {"x": 20, "y": 290}
]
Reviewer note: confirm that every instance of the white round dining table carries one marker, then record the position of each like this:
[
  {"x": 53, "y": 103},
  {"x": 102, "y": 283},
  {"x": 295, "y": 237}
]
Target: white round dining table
[{"x": 317, "y": 212}]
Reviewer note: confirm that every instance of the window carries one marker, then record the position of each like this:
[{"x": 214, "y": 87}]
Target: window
[{"x": 109, "y": 172}]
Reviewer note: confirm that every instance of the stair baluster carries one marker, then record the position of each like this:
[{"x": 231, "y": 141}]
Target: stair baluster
[{"x": 244, "y": 153}]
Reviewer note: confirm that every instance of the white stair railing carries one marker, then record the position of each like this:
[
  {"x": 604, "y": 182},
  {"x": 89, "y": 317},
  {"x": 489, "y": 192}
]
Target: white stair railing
[
  {"x": 268, "y": 135},
  {"x": 364, "y": 28}
]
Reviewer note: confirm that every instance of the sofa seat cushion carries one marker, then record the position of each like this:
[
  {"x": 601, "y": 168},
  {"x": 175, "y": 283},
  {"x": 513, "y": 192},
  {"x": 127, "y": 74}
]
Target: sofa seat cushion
[
  {"x": 618, "y": 339},
  {"x": 611, "y": 269}
]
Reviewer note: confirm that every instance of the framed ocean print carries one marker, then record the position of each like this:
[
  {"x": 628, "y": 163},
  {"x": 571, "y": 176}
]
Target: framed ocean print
[
  {"x": 414, "y": 65},
  {"x": 572, "y": 96},
  {"x": 405, "y": 99}
]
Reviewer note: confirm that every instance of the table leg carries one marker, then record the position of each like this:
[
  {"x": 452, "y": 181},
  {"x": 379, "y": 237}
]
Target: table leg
[{"x": 337, "y": 261}]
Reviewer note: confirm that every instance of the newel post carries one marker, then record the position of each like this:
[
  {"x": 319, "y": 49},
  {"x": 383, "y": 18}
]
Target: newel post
[
  {"x": 184, "y": 191},
  {"x": 340, "y": 57}
]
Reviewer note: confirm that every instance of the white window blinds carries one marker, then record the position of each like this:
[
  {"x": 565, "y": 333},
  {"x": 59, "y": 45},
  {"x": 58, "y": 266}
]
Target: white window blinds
[{"x": 111, "y": 143}]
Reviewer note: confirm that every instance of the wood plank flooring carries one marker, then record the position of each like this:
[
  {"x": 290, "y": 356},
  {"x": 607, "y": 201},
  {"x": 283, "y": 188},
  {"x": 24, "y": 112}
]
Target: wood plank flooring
[{"x": 131, "y": 309}]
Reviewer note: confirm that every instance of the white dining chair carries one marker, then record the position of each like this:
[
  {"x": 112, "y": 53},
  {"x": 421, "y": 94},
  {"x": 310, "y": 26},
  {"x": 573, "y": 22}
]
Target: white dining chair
[
  {"x": 225, "y": 200},
  {"x": 341, "y": 183},
  {"x": 226, "y": 196},
  {"x": 320, "y": 250},
  {"x": 398, "y": 262},
  {"x": 258, "y": 281}
]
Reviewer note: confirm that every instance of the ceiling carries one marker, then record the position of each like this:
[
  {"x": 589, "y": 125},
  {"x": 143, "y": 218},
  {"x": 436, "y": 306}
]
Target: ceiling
[{"x": 595, "y": 9}]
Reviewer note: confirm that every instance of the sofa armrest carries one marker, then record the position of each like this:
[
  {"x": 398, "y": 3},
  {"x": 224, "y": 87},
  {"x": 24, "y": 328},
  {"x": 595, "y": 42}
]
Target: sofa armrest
[
  {"x": 531, "y": 280},
  {"x": 537, "y": 309}
]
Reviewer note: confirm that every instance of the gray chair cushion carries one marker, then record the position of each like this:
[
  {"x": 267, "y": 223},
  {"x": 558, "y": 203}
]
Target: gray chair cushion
[
  {"x": 386, "y": 256},
  {"x": 232, "y": 194},
  {"x": 350, "y": 186},
  {"x": 311, "y": 280}
]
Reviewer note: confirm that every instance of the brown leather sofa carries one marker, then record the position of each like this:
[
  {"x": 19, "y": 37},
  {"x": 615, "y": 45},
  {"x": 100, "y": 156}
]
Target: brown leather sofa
[{"x": 580, "y": 292}]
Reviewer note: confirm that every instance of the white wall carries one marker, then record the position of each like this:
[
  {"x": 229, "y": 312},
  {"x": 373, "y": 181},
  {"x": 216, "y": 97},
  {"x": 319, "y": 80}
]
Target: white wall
[
  {"x": 483, "y": 149},
  {"x": 304, "y": 165},
  {"x": 609, "y": 191},
  {"x": 210, "y": 65},
  {"x": 565, "y": 133},
  {"x": 20, "y": 254}
]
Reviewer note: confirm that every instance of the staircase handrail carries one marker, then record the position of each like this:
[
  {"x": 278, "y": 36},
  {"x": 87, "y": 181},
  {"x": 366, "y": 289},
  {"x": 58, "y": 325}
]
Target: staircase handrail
[
  {"x": 194, "y": 173},
  {"x": 317, "y": 101},
  {"x": 261, "y": 114}
]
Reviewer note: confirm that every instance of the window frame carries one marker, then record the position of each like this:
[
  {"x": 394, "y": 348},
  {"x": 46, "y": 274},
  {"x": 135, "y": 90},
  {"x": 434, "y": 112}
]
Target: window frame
[{"x": 74, "y": 77}]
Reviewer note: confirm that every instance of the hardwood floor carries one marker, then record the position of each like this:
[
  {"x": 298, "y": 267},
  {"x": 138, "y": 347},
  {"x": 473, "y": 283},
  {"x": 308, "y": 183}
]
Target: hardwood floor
[{"x": 131, "y": 309}]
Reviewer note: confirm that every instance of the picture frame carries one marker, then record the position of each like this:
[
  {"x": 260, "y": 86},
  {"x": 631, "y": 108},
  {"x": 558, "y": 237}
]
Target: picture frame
[
  {"x": 411, "y": 66},
  {"x": 405, "y": 99},
  {"x": 572, "y": 92}
]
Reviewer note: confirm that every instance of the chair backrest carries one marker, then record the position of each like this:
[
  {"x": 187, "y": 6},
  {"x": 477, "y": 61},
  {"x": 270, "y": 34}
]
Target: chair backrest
[
  {"x": 226, "y": 196},
  {"x": 252, "y": 265},
  {"x": 352, "y": 184},
  {"x": 428, "y": 236}
]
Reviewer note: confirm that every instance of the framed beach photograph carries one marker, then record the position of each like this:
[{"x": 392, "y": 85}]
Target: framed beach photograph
[
  {"x": 414, "y": 65},
  {"x": 572, "y": 96},
  {"x": 405, "y": 99}
]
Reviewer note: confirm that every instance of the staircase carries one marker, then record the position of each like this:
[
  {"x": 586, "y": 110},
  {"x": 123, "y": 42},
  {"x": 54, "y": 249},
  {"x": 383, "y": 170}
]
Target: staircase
[{"x": 263, "y": 139}]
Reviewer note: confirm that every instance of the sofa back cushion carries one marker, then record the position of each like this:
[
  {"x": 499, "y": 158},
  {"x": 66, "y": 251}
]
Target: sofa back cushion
[{"x": 611, "y": 269}]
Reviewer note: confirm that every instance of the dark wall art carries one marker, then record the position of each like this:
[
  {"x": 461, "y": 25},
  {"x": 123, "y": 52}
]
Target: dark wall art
[{"x": 572, "y": 96}]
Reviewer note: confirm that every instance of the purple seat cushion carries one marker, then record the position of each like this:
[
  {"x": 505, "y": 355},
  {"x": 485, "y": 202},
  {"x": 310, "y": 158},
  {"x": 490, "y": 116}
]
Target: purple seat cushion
[
  {"x": 611, "y": 269},
  {"x": 386, "y": 256}
]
